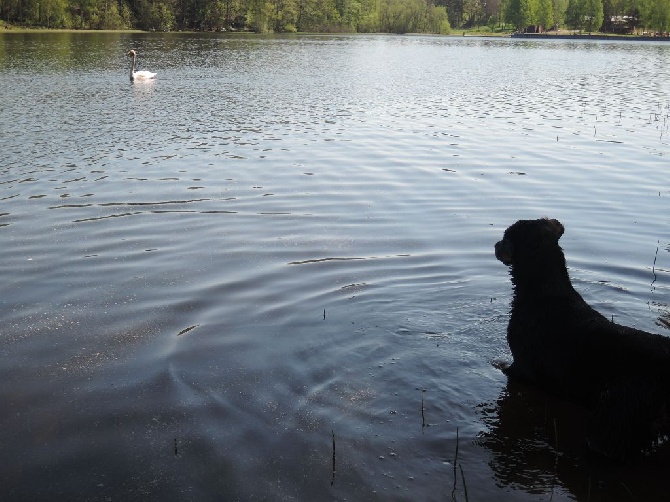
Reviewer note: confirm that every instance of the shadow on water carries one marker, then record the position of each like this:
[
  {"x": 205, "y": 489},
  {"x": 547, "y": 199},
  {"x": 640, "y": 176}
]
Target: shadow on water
[{"x": 538, "y": 447}]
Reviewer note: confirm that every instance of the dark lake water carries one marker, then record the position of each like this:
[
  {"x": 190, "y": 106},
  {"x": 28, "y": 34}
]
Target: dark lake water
[{"x": 269, "y": 273}]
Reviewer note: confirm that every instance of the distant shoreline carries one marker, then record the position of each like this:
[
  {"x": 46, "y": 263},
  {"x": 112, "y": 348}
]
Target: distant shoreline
[
  {"x": 632, "y": 38},
  {"x": 8, "y": 28}
]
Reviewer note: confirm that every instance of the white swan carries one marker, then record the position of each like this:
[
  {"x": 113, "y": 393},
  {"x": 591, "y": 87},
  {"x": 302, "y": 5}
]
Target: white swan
[{"x": 139, "y": 75}]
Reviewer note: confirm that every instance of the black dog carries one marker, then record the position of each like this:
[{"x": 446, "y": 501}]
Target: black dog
[{"x": 565, "y": 347}]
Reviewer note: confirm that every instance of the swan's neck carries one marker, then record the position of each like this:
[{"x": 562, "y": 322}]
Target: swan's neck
[{"x": 132, "y": 69}]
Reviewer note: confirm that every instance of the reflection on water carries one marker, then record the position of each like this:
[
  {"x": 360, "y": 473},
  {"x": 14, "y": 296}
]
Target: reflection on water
[
  {"x": 538, "y": 445},
  {"x": 282, "y": 239}
]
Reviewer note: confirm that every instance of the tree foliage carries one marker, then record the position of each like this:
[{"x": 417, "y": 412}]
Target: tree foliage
[
  {"x": 655, "y": 14},
  {"x": 397, "y": 16},
  {"x": 393, "y": 16},
  {"x": 545, "y": 13},
  {"x": 407, "y": 16},
  {"x": 521, "y": 13},
  {"x": 585, "y": 15},
  {"x": 589, "y": 15}
]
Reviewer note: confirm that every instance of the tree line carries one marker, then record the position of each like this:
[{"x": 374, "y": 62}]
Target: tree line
[
  {"x": 363, "y": 16},
  {"x": 262, "y": 16},
  {"x": 610, "y": 16}
]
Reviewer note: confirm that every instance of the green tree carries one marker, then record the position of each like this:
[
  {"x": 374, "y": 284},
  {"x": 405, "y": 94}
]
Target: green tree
[
  {"x": 284, "y": 15},
  {"x": 53, "y": 14},
  {"x": 473, "y": 11},
  {"x": 455, "y": 9},
  {"x": 258, "y": 15},
  {"x": 350, "y": 12},
  {"x": 317, "y": 15},
  {"x": 155, "y": 15},
  {"x": 88, "y": 14},
  {"x": 584, "y": 15},
  {"x": 593, "y": 18},
  {"x": 110, "y": 16},
  {"x": 655, "y": 14},
  {"x": 574, "y": 16},
  {"x": 558, "y": 8},
  {"x": 369, "y": 19},
  {"x": 520, "y": 13},
  {"x": 232, "y": 9},
  {"x": 437, "y": 20},
  {"x": 510, "y": 11},
  {"x": 400, "y": 16},
  {"x": 545, "y": 14}
]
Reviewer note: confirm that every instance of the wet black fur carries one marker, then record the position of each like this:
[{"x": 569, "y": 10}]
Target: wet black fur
[{"x": 565, "y": 347}]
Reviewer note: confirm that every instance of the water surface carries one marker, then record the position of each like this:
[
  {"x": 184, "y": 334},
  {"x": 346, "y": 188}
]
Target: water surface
[{"x": 279, "y": 254}]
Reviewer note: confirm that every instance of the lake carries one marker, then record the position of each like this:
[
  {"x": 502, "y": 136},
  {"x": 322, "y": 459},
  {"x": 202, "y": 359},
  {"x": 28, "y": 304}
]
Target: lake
[{"x": 269, "y": 274}]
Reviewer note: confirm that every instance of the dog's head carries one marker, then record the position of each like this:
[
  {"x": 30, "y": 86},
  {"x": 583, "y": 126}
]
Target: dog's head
[{"x": 529, "y": 241}]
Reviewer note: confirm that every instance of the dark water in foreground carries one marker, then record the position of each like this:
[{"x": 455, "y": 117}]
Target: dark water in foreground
[{"x": 284, "y": 245}]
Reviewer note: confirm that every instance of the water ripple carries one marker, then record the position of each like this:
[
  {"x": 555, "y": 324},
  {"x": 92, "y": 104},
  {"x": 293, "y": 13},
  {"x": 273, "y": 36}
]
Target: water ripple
[{"x": 284, "y": 238}]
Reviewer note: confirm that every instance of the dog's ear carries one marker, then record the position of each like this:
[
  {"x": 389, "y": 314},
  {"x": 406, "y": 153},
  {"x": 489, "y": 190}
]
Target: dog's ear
[{"x": 556, "y": 227}]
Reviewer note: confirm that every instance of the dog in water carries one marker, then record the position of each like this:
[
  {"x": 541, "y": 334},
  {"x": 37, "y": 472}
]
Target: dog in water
[{"x": 562, "y": 345}]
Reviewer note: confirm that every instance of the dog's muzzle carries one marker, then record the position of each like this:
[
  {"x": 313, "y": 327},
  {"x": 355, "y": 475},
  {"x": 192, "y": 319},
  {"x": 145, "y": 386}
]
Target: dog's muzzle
[{"x": 504, "y": 251}]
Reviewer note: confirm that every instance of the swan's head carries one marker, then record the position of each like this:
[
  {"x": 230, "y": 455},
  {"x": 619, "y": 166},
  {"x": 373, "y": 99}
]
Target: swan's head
[{"x": 131, "y": 53}]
